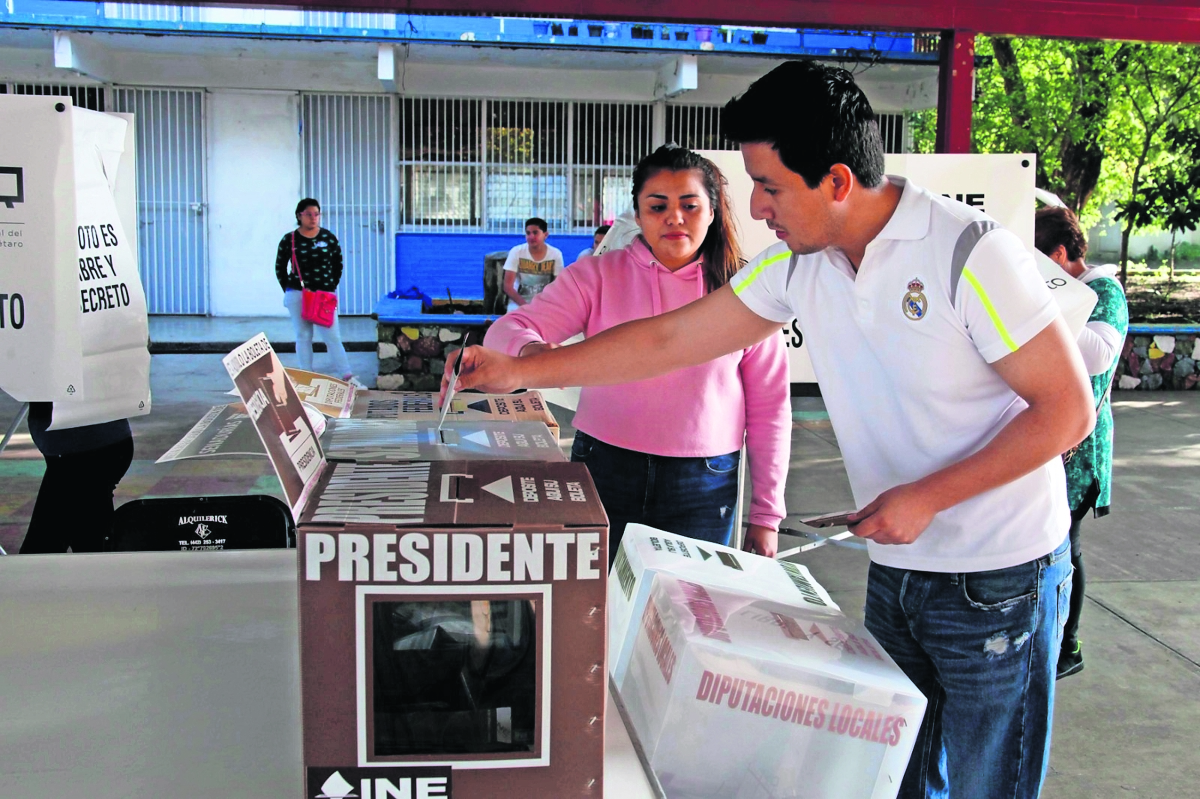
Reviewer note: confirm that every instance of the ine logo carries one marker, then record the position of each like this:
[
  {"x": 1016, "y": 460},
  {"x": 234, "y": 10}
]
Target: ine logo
[
  {"x": 419, "y": 782},
  {"x": 12, "y": 185}
]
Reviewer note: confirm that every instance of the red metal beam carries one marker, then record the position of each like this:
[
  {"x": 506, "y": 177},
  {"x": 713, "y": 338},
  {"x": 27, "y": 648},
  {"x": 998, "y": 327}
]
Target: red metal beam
[
  {"x": 1142, "y": 20},
  {"x": 956, "y": 90}
]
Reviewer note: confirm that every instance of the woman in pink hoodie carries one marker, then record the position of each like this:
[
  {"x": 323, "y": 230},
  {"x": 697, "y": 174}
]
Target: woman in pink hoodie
[{"x": 665, "y": 451}]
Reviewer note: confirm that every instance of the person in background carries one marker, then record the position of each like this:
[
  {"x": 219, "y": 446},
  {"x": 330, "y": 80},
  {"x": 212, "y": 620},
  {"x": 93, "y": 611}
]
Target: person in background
[
  {"x": 665, "y": 451},
  {"x": 597, "y": 237},
  {"x": 317, "y": 254},
  {"x": 953, "y": 386},
  {"x": 1089, "y": 467},
  {"x": 74, "y": 507},
  {"x": 531, "y": 266}
]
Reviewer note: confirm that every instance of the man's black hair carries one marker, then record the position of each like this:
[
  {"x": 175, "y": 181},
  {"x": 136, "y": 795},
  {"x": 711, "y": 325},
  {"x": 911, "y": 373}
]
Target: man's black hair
[
  {"x": 537, "y": 220},
  {"x": 814, "y": 116},
  {"x": 602, "y": 230}
]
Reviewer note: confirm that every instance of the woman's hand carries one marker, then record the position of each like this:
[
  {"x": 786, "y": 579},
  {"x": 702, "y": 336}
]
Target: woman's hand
[
  {"x": 483, "y": 369},
  {"x": 534, "y": 347},
  {"x": 761, "y": 541}
]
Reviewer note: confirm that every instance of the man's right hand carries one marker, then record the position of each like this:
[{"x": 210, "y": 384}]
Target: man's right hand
[{"x": 486, "y": 370}]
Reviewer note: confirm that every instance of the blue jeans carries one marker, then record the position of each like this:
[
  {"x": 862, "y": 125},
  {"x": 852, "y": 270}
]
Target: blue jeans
[
  {"x": 332, "y": 336},
  {"x": 695, "y": 497},
  {"x": 983, "y": 648}
]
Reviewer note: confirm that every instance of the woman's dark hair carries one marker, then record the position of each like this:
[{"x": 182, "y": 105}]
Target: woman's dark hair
[
  {"x": 306, "y": 203},
  {"x": 720, "y": 251},
  {"x": 1054, "y": 226},
  {"x": 814, "y": 116}
]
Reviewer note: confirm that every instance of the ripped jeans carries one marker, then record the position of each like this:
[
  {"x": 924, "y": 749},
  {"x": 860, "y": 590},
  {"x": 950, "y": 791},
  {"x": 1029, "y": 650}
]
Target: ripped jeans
[
  {"x": 696, "y": 497},
  {"x": 983, "y": 648}
]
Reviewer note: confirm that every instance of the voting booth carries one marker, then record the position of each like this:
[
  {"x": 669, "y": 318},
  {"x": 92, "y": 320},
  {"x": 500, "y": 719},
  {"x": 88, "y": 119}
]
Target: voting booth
[
  {"x": 741, "y": 678},
  {"x": 73, "y": 327}
]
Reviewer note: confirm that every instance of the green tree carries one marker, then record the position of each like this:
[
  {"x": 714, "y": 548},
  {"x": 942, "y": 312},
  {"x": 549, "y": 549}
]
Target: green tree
[
  {"x": 1160, "y": 87},
  {"x": 1171, "y": 197},
  {"x": 1051, "y": 98}
]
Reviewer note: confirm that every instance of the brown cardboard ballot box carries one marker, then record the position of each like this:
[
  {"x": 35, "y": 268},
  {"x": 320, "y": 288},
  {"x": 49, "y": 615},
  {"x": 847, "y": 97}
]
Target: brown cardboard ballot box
[
  {"x": 417, "y": 406},
  {"x": 452, "y": 629}
]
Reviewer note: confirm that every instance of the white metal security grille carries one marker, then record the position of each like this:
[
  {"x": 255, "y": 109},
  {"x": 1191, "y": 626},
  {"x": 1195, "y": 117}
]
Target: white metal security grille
[
  {"x": 488, "y": 165},
  {"x": 346, "y": 144},
  {"x": 696, "y": 127},
  {"x": 90, "y": 97},
  {"x": 172, "y": 196}
]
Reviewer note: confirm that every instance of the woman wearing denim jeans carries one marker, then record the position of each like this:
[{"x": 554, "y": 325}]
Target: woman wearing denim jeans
[
  {"x": 665, "y": 452},
  {"x": 319, "y": 257}
]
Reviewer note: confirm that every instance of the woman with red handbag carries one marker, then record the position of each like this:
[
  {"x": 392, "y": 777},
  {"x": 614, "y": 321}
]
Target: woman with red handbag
[{"x": 308, "y": 266}]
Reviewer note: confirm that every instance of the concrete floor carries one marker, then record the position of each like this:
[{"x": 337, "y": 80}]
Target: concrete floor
[{"x": 1125, "y": 726}]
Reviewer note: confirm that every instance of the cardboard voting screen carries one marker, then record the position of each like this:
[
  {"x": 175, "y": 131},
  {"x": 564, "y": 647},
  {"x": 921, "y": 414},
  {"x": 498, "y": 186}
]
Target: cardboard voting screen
[
  {"x": 452, "y": 628},
  {"x": 41, "y": 350},
  {"x": 279, "y": 417},
  {"x": 807, "y": 703},
  {"x": 646, "y": 552},
  {"x": 404, "y": 440}
]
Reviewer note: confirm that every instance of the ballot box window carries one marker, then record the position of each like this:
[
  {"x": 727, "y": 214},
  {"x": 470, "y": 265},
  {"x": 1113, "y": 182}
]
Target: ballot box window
[{"x": 455, "y": 676}]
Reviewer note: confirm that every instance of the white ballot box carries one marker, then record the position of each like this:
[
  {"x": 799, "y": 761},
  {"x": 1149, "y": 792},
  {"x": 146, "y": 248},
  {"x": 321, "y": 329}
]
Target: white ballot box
[
  {"x": 737, "y": 696},
  {"x": 646, "y": 551}
]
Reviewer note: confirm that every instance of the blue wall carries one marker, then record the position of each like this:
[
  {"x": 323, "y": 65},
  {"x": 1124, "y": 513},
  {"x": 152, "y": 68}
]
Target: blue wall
[{"x": 434, "y": 262}]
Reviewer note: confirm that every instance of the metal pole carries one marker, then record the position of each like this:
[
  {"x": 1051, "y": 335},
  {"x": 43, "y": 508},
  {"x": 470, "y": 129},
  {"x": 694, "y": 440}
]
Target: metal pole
[{"x": 12, "y": 428}]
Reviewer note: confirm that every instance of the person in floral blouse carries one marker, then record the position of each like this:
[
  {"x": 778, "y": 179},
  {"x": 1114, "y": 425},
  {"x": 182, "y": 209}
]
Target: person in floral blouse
[{"x": 1088, "y": 467}]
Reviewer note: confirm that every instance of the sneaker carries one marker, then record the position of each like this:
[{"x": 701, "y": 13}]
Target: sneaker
[
  {"x": 1070, "y": 662},
  {"x": 354, "y": 381}
]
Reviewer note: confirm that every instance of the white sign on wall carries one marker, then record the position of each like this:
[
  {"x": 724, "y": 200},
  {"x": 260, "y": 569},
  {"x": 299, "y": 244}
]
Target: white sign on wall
[{"x": 999, "y": 185}]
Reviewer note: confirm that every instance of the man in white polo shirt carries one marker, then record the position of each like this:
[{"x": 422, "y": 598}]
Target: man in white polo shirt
[{"x": 953, "y": 385}]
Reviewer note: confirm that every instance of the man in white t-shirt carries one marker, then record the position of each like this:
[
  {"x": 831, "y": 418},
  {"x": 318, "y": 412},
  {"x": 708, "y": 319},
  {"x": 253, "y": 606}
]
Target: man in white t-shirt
[
  {"x": 953, "y": 385},
  {"x": 531, "y": 266}
]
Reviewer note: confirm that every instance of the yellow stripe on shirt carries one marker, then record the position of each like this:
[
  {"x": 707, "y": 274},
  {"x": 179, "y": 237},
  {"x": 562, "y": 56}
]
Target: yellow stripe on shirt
[
  {"x": 750, "y": 278},
  {"x": 991, "y": 310}
]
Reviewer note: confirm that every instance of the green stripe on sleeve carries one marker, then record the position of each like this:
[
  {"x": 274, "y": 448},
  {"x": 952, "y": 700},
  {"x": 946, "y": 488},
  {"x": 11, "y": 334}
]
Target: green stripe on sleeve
[
  {"x": 991, "y": 310},
  {"x": 750, "y": 278}
]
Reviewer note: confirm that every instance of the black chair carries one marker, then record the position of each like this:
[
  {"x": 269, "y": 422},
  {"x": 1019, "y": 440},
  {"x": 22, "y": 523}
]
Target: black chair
[{"x": 174, "y": 524}]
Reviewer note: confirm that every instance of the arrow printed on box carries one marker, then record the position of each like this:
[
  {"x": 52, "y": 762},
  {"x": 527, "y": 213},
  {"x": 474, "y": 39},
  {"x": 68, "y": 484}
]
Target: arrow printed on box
[
  {"x": 502, "y": 488},
  {"x": 479, "y": 437}
]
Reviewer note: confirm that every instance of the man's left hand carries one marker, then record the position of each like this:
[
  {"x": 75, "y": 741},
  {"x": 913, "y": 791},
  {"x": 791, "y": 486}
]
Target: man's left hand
[{"x": 897, "y": 516}]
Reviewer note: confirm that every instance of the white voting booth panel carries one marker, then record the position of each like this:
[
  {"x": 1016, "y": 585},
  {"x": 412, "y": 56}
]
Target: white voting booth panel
[
  {"x": 646, "y": 552},
  {"x": 1000, "y": 185},
  {"x": 73, "y": 324},
  {"x": 733, "y": 695}
]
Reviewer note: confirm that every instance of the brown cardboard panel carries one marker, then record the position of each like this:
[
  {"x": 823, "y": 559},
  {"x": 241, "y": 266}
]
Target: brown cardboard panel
[
  {"x": 497, "y": 494},
  {"x": 529, "y": 406},
  {"x": 407, "y": 440},
  {"x": 467, "y": 632}
]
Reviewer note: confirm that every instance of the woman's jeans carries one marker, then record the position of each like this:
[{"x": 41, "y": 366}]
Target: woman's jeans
[
  {"x": 332, "y": 336},
  {"x": 983, "y": 649},
  {"x": 695, "y": 497}
]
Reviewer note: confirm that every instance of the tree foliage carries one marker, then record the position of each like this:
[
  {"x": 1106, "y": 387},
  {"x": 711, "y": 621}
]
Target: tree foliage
[{"x": 1096, "y": 114}]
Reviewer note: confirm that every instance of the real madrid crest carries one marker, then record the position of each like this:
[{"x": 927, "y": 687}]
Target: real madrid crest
[{"x": 915, "y": 304}]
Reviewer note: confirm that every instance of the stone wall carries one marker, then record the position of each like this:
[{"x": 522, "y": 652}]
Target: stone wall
[
  {"x": 1160, "y": 361},
  {"x": 412, "y": 357}
]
